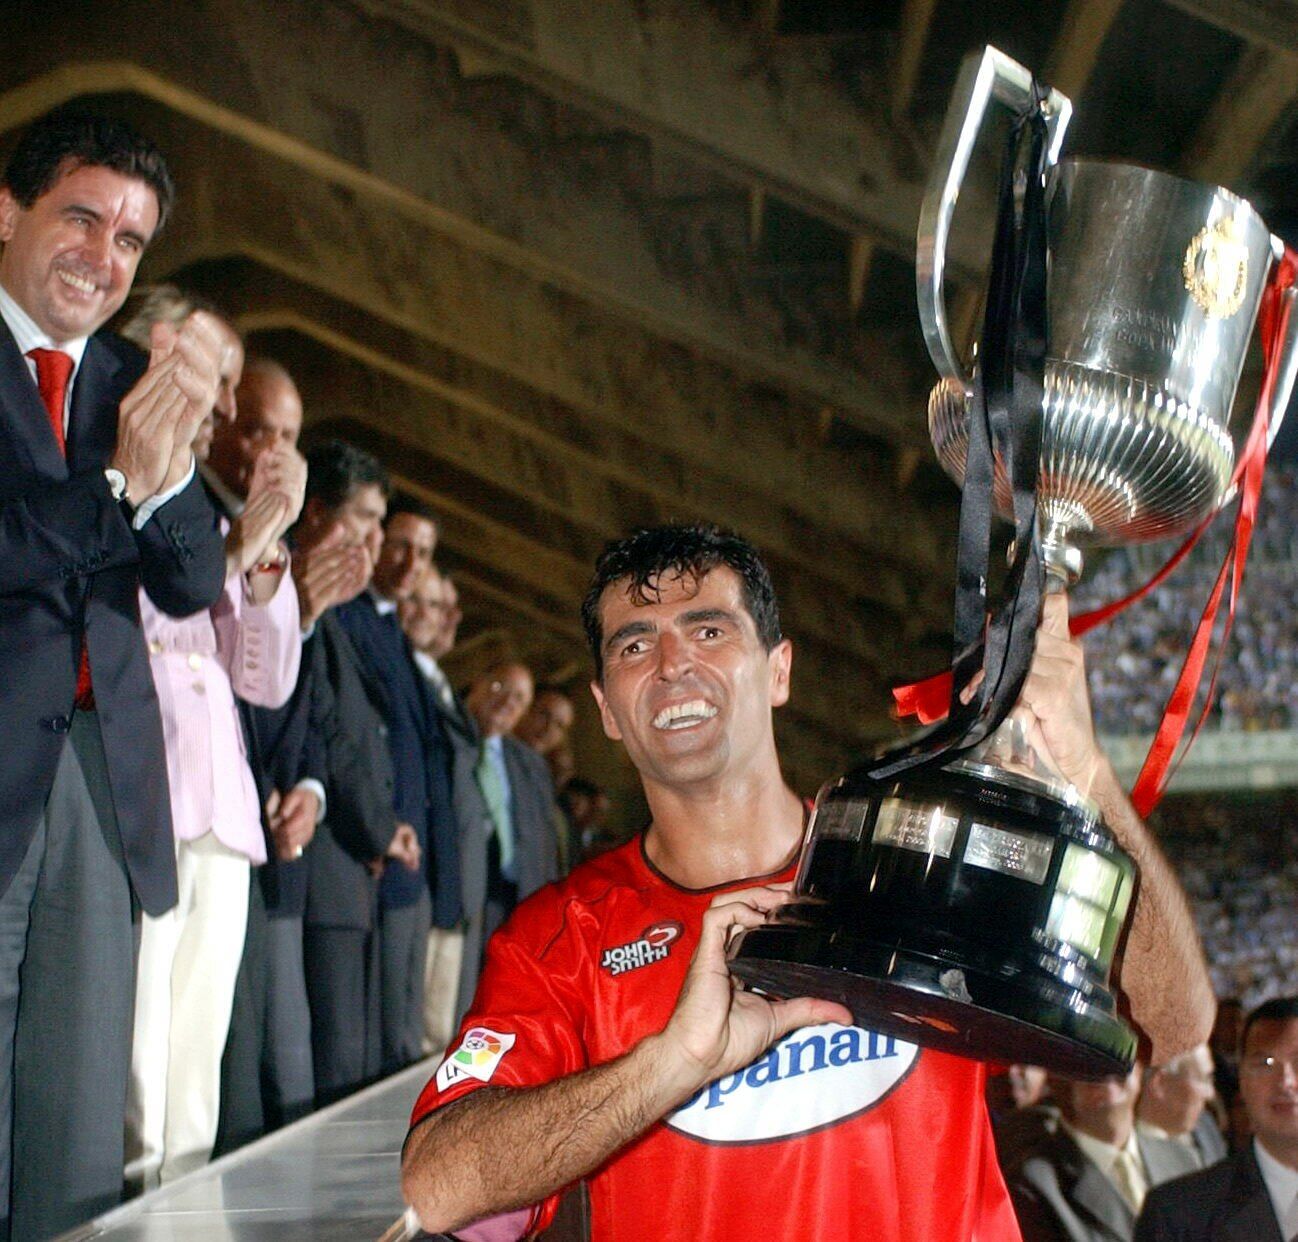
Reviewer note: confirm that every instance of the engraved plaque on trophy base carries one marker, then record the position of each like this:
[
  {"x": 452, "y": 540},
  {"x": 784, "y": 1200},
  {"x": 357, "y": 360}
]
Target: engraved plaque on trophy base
[{"x": 993, "y": 913}]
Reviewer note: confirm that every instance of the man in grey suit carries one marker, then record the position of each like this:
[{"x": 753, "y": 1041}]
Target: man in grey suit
[
  {"x": 1173, "y": 1104},
  {"x": 514, "y": 852},
  {"x": 1086, "y": 1180},
  {"x": 430, "y": 616},
  {"x": 1252, "y": 1196}
]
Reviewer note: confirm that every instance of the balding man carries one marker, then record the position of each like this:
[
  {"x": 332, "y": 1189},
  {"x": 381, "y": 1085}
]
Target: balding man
[
  {"x": 267, "y": 1074},
  {"x": 518, "y": 853},
  {"x": 1173, "y": 1104}
]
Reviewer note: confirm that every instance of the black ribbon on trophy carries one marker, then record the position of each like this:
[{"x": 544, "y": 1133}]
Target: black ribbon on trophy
[{"x": 1004, "y": 422}]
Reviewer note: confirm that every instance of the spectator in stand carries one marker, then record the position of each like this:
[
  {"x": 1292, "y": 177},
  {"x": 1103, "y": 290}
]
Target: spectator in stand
[
  {"x": 518, "y": 852},
  {"x": 584, "y": 805},
  {"x": 410, "y": 901},
  {"x": 546, "y": 724},
  {"x": 1174, "y": 1099},
  {"x": 430, "y": 617},
  {"x": 1253, "y": 1195},
  {"x": 266, "y": 1074},
  {"x": 99, "y": 498},
  {"x": 1086, "y": 1180},
  {"x": 247, "y": 644},
  {"x": 545, "y": 727},
  {"x": 346, "y": 502}
]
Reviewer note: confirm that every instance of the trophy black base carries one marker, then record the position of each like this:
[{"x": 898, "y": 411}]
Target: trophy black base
[
  {"x": 910, "y": 995},
  {"x": 970, "y": 915}
]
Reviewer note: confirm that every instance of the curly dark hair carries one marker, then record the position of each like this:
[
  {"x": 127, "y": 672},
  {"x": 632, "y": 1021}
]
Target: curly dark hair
[
  {"x": 335, "y": 469},
  {"x": 647, "y": 557},
  {"x": 64, "y": 140}
]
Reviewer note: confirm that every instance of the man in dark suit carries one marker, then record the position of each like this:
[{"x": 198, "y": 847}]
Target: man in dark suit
[
  {"x": 430, "y": 617},
  {"x": 99, "y": 495},
  {"x": 1085, "y": 1181},
  {"x": 346, "y": 502},
  {"x": 409, "y": 901},
  {"x": 517, "y": 852},
  {"x": 1253, "y": 1195},
  {"x": 267, "y": 1077}
]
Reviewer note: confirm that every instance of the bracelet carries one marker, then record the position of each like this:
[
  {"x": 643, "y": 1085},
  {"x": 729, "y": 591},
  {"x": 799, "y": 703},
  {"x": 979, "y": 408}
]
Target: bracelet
[{"x": 266, "y": 567}]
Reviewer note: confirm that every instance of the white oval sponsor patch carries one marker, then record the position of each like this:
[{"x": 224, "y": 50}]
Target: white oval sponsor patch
[{"x": 811, "y": 1079}]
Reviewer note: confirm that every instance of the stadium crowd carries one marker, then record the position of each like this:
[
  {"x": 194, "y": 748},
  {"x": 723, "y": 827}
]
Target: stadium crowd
[{"x": 1134, "y": 659}]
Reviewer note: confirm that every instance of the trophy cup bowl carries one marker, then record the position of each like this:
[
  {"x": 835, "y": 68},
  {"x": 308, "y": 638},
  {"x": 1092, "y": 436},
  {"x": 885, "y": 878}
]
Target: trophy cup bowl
[{"x": 976, "y": 907}]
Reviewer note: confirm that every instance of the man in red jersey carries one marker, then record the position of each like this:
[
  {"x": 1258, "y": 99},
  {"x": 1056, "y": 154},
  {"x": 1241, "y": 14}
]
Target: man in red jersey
[{"x": 607, "y": 1040}]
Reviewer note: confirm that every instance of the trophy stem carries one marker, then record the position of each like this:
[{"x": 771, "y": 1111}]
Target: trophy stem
[{"x": 1062, "y": 558}]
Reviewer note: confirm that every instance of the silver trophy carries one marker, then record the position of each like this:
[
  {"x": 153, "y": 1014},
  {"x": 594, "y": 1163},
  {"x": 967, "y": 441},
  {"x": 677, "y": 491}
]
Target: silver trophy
[
  {"x": 1154, "y": 288},
  {"x": 976, "y": 906}
]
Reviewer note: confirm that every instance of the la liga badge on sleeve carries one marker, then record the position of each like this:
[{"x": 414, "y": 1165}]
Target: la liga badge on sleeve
[{"x": 480, "y": 1051}]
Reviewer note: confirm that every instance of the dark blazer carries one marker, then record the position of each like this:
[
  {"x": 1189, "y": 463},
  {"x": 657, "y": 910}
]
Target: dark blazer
[
  {"x": 536, "y": 853},
  {"x": 71, "y": 566},
  {"x": 347, "y": 719},
  {"x": 1226, "y": 1203},
  {"x": 421, "y": 759},
  {"x": 1060, "y": 1195}
]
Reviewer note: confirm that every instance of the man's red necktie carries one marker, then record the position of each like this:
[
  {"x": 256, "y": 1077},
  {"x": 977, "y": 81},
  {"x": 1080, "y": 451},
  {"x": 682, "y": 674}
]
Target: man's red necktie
[{"x": 53, "y": 370}]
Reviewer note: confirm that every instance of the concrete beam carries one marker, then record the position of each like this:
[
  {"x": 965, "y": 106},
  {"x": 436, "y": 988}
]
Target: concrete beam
[
  {"x": 497, "y": 319},
  {"x": 1267, "y": 23},
  {"x": 392, "y": 127},
  {"x": 507, "y": 423},
  {"x": 669, "y": 71},
  {"x": 1082, "y": 32},
  {"x": 1257, "y": 94}
]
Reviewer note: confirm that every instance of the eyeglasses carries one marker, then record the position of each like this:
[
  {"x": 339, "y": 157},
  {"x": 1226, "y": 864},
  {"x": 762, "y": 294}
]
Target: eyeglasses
[{"x": 1269, "y": 1066}]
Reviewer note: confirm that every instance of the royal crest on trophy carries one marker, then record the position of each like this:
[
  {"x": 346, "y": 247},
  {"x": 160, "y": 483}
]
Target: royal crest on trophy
[{"x": 957, "y": 891}]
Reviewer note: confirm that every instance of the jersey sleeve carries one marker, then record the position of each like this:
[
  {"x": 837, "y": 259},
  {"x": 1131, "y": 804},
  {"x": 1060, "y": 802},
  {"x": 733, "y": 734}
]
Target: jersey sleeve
[{"x": 525, "y": 1025}]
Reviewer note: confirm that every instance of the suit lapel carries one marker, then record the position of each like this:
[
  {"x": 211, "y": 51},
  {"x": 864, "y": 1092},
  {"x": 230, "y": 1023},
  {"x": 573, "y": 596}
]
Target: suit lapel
[
  {"x": 1165, "y": 1159},
  {"x": 91, "y": 436},
  {"x": 1099, "y": 1198},
  {"x": 1248, "y": 1215},
  {"x": 24, "y": 417}
]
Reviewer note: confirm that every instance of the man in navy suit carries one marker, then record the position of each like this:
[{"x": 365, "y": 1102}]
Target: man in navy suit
[
  {"x": 97, "y": 495},
  {"x": 410, "y": 900},
  {"x": 1253, "y": 1195}
]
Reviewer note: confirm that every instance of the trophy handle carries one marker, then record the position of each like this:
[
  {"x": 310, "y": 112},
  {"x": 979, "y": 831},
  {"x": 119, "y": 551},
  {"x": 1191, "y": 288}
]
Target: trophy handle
[
  {"x": 1288, "y": 368},
  {"x": 983, "y": 75}
]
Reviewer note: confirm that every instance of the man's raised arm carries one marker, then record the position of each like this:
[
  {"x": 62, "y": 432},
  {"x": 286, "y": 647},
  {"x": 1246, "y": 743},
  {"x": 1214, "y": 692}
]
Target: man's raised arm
[
  {"x": 1162, "y": 970},
  {"x": 451, "y": 1169}
]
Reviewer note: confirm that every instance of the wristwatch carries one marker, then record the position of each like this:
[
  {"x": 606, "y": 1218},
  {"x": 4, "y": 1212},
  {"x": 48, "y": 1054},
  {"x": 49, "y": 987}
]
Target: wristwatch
[{"x": 117, "y": 485}]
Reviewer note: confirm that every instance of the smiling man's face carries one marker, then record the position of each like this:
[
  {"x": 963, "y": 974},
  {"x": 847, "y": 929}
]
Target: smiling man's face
[
  {"x": 70, "y": 258},
  {"x": 688, "y": 687}
]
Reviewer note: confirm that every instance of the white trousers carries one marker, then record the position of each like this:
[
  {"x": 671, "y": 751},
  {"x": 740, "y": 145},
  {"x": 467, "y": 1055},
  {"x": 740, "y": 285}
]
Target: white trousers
[
  {"x": 189, "y": 959},
  {"x": 441, "y": 987}
]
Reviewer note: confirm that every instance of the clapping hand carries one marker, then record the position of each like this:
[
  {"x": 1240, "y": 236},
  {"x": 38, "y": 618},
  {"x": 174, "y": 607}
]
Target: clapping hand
[
  {"x": 329, "y": 573},
  {"x": 159, "y": 417}
]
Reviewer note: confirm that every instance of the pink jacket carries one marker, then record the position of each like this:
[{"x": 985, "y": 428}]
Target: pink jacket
[{"x": 199, "y": 664}]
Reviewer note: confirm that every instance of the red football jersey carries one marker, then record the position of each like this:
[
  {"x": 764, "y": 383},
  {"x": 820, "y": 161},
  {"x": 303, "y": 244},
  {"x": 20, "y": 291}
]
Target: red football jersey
[{"x": 836, "y": 1133}]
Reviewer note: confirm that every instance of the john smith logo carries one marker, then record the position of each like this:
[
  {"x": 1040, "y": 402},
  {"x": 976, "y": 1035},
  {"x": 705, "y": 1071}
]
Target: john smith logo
[
  {"x": 652, "y": 945},
  {"x": 811, "y": 1079}
]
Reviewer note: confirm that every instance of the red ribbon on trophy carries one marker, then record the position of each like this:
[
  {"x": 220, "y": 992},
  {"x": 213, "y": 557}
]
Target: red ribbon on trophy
[{"x": 929, "y": 699}]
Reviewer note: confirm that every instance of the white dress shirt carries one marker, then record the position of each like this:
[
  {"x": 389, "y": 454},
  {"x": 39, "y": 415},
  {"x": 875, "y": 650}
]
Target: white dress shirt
[
  {"x": 28, "y": 336},
  {"x": 1282, "y": 1186},
  {"x": 1134, "y": 1185}
]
